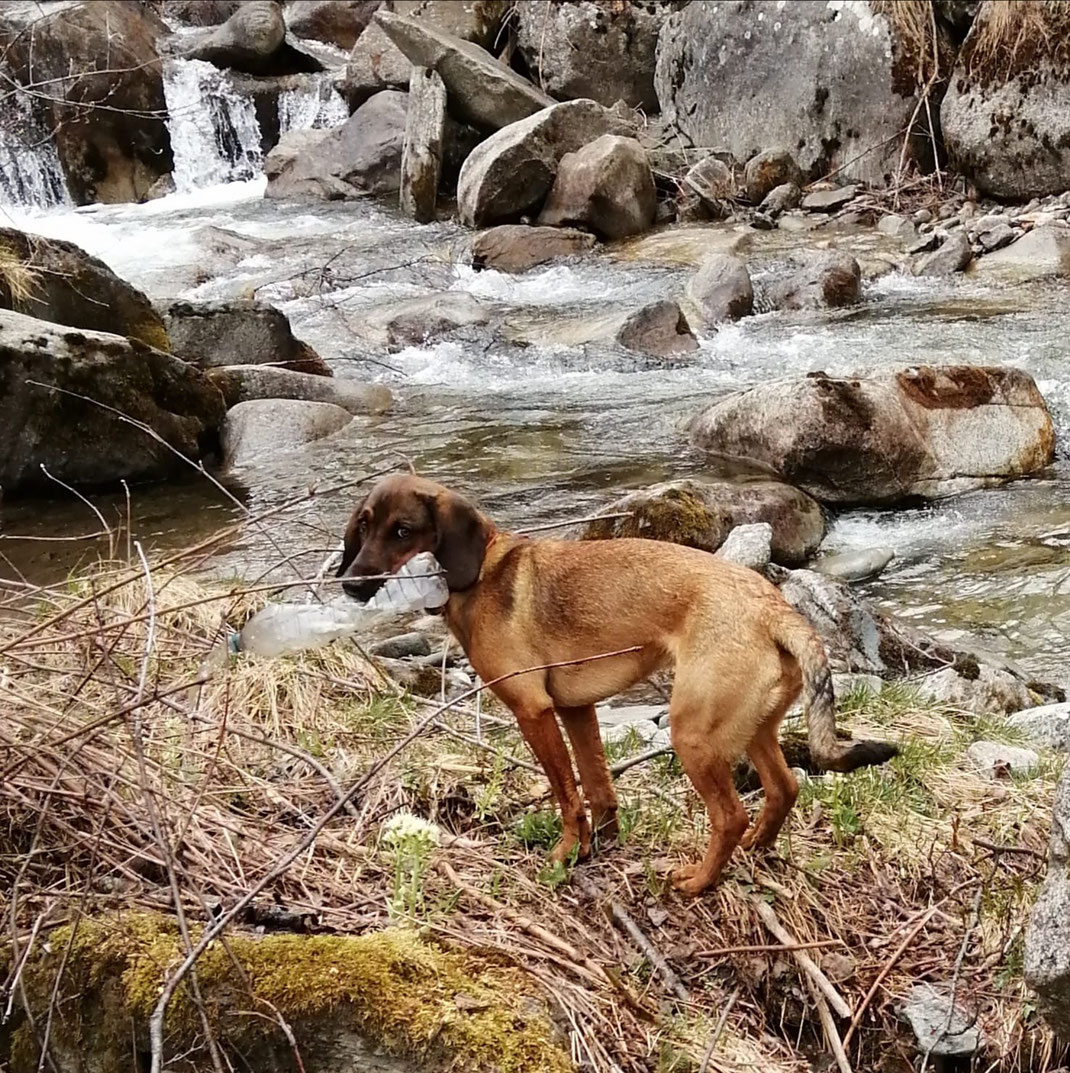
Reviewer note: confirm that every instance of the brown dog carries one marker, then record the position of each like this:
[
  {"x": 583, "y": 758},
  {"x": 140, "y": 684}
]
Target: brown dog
[{"x": 741, "y": 654}]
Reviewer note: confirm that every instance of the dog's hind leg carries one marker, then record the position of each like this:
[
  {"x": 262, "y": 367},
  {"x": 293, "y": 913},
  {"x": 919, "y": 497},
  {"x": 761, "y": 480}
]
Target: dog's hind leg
[{"x": 581, "y": 724}]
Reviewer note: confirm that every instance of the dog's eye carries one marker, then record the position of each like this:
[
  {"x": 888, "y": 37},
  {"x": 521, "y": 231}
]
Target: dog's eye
[{"x": 403, "y": 532}]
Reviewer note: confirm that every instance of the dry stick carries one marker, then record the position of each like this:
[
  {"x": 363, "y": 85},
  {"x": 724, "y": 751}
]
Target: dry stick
[
  {"x": 769, "y": 948},
  {"x": 888, "y": 965},
  {"x": 806, "y": 963},
  {"x": 574, "y": 521},
  {"x": 642, "y": 758},
  {"x": 827, "y": 1023},
  {"x": 303, "y": 844},
  {"x": 721, "y": 1022},
  {"x": 649, "y": 951}
]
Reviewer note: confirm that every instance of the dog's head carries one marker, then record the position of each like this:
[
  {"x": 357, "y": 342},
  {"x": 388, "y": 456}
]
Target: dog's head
[{"x": 402, "y": 516}]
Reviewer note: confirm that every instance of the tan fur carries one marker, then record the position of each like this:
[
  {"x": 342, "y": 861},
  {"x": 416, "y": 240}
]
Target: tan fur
[{"x": 741, "y": 654}]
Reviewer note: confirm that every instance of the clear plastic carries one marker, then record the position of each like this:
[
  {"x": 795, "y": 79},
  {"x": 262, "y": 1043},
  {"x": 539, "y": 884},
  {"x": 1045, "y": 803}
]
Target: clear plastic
[{"x": 282, "y": 628}]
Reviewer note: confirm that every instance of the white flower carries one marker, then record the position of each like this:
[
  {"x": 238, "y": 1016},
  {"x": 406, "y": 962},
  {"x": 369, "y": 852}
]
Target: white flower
[{"x": 405, "y": 829}]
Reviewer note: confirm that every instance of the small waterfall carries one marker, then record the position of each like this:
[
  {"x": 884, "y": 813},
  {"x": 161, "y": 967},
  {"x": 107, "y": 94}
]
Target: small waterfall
[
  {"x": 30, "y": 171},
  {"x": 312, "y": 106},
  {"x": 214, "y": 133}
]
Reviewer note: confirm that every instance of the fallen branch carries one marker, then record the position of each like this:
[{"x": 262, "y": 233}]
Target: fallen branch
[{"x": 648, "y": 949}]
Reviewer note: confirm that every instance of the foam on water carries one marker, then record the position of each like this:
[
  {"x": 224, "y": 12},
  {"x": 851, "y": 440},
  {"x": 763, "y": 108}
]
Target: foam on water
[
  {"x": 312, "y": 107},
  {"x": 30, "y": 171}
]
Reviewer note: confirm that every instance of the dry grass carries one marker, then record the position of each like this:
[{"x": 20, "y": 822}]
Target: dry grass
[
  {"x": 1013, "y": 37},
  {"x": 239, "y": 766},
  {"x": 18, "y": 280}
]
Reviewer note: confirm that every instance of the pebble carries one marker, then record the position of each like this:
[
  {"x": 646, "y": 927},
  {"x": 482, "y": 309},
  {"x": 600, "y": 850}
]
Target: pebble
[
  {"x": 922, "y": 216},
  {"x": 992, "y": 757},
  {"x": 404, "y": 644},
  {"x": 939, "y": 1027},
  {"x": 855, "y": 565}
]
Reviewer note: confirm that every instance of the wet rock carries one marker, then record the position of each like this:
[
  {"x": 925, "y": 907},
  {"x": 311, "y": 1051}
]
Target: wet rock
[
  {"x": 603, "y": 52},
  {"x": 517, "y": 247},
  {"x": 829, "y": 200},
  {"x": 1047, "y": 726},
  {"x": 1047, "y": 939},
  {"x": 720, "y": 290},
  {"x": 421, "y": 159},
  {"x": 781, "y": 199},
  {"x": 822, "y": 279},
  {"x": 995, "y": 758},
  {"x": 334, "y": 22},
  {"x": 748, "y": 545},
  {"x": 421, "y": 320},
  {"x": 403, "y": 646},
  {"x": 714, "y": 184},
  {"x": 991, "y": 689},
  {"x": 60, "y": 282},
  {"x": 511, "y": 172},
  {"x": 376, "y": 63},
  {"x": 609, "y": 716},
  {"x": 995, "y": 238},
  {"x": 97, "y": 70},
  {"x": 242, "y": 383},
  {"x": 1006, "y": 122},
  {"x": 1042, "y": 253},
  {"x": 659, "y": 329},
  {"x": 91, "y": 443},
  {"x": 291, "y": 146},
  {"x": 606, "y": 187},
  {"x": 240, "y": 332},
  {"x": 164, "y": 186},
  {"x": 362, "y": 156},
  {"x": 927, "y": 241},
  {"x": 247, "y": 41},
  {"x": 896, "y": 227},
  {"x": 482, "y": 91},
  {"x": 855, "y": 565},
  {"x": 953, "y": 255},
  {"x": 922, "y": 432},
  {"x": 939, "y": 1027},
  {"x": 701, "y": 514},
  {"x": 767, "y": 170},
  {"x": 260, "y": 428}
]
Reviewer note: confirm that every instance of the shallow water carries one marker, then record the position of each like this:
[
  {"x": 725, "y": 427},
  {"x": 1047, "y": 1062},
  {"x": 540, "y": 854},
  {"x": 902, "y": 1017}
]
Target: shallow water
[{"x": 542, "y": 426}]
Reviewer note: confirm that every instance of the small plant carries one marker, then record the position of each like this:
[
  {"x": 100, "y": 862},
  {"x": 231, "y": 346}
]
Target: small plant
[
  {"x": 553, "y": 875},
  {"x": 411, "y": 841},
  {"x": 538, "y": 830}
]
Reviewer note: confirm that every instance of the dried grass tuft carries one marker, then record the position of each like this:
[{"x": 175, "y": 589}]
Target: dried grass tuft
[
  {"x": 18, "y": 280},
  {"x": 1016, "y": 37}
]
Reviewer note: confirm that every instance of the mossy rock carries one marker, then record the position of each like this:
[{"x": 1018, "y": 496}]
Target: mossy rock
[{"x": 383, "y": 1002}]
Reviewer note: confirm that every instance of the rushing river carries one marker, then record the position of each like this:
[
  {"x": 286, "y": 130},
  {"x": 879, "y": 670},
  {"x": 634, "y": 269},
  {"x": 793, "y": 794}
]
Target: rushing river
[{"x": 542, "y": 426}]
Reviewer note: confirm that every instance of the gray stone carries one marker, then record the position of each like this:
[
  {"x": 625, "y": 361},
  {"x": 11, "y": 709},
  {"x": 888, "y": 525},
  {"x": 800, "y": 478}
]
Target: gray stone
[
  {"x": 606, "y": 187},
  {"x": 659, "y": 329},
  {"x": 993, "y": 690},
  {"x": 604, "y": 52},
  {"x": 334, "y": 22},
  {"x": 767, "y": 170},
  {"x": 261, "y": 428},
  {"x": 992, "y": 757},
  {"x": 1047, "y": 939},
  {"x": 927, "y": 241},
  {"x": 844, "y": 685},
  {"x": 239, "y": 332},
  {"x": 421, "y": 158},
  {"x": 642, "y": 729},
  {"x": 780, "y": 199},
  {"x": 720, "y": 290},
  {"x": 954, "y": 255},
  {"x": 416, "y": 321},
  {"x": 939, "y": 1027},
  {"x": 247, "y": 41},
  {"x": 242, "y": 383},
  {"x": 997, "y": 237},
  {"x": 362, "y": 156},
  {"x": 628, "y": 714},
  {"x": 855, "y": 565},
  {"x": 925, "y": 431},
  {"x": 482, "y": 91},
  {"x": 701, "y": 514},
  {"x": 1044, "y": 252},
  {"x": 1047, "y": 726},
  {"x": 824, "y": 79},
  {"x": 518, "y": 247},
  {"x": 748, "y": 545},
  {"x": 896, "y": 227},
  {"x": 817, "y": 279},
  {"x": 829, "y": 200},
  {"x": 48, "y": 375},
  {"x": 714, "y": 182},
  {"x": 511, "y": 172},
  {"x": 403, "y": 646}
]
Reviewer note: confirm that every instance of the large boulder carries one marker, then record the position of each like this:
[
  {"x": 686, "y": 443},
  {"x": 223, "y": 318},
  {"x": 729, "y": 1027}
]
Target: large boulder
[
  {"x": 263, "y": 427},
  {"x": 510, "y": 173},
  {"x": 97, "y": 85},
  {"x": 417, "y": 321},
  {"x": 889, "y": 436},
  {"x": 720, "y": 290},
  {"x": 1043, "y": 253},
  {"x": 247, "y": 41},
  {"x": 362, "y": 156},
  {"x": 606, "y": 187},
  {"x": 701, "y": 514},
  {"x": 517, "y": 247},
  {"x": 241, "y": 383},
  {"x": 831, "y": 81},
  {"x": 818, "y": 279},
  {"x": 482, "y": 91},
  {"x": 334, "y": 22},
  {"x": 94, "y": 408},
  {"x": 425, "y": 132},
  {"x": 1006, "y": 114},
  {"x": 58, "y": 281},
  {"x": 605, "y": 52},
  {"x": 239, "y": 332},
  {"x": 376, "y": 63}
]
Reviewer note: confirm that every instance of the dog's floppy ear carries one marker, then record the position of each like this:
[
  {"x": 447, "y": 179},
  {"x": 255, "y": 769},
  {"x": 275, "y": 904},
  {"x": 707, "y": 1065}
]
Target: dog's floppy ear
[
  {"x": 352, "y": 540},
  {"x": 461, "y": 540}
]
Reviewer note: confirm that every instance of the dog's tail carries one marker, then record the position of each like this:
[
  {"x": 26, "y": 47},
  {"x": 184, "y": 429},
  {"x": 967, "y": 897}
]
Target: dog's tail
[{"x": 795, "y": 635}]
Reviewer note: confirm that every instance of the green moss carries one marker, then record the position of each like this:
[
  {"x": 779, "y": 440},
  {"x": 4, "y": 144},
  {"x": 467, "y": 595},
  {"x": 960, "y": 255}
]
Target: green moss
[
  {"x": 394, "y": 989},
  {"x": 678, "y": 515}
]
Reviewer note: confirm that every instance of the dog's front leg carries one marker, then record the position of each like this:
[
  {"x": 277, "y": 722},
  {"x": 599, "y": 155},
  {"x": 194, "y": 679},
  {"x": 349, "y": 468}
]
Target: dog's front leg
[{"x": 541, "y": 732}]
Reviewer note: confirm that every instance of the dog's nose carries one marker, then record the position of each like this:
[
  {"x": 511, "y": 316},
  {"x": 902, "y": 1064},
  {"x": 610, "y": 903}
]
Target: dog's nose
[{"x": 362, "y": 589}]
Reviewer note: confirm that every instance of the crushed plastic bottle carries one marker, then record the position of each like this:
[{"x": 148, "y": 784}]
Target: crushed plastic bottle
[{"x": 281, "y": 628}]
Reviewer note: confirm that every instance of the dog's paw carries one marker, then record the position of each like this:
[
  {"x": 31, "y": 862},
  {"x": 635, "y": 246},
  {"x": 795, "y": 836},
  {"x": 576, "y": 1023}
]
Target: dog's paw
[{"x": 686, "y": 880}]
